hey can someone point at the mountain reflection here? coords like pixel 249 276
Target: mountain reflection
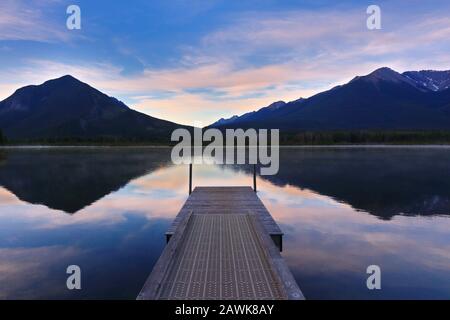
pixel 328 245
pixel 70 179
pixel 382 181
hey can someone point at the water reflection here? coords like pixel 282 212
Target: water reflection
pixel 70 179
pixel 380 180
pixel 132 196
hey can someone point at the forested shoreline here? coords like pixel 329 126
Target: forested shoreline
pixel 286 138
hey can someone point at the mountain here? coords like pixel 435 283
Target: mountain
pixel 68 108
pixel 432 80
pixel 381 100
pixel 263 112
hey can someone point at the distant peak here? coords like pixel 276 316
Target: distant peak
pixel 66 81
pixel 384 69
pixel 66 77
pixel 298 100
pixel 384 72
pixel 276 105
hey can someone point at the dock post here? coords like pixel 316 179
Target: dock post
pixel 254 177
pixel 190 178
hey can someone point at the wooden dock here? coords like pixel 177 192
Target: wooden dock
pixel 223 244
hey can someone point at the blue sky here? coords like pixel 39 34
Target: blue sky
pixel 196 61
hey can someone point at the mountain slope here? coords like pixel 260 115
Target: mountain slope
pixel 432 80
pixel 382 100
pixel 68 108
pixel 261 113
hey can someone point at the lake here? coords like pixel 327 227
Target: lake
pixel 341 209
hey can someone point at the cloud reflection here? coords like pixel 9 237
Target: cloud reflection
pixel 328 244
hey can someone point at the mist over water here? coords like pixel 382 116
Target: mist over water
pixel 341 209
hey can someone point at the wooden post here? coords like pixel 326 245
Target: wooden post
pixel 190 178
pixel 254 177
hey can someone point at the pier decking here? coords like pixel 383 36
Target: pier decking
pixel 224 244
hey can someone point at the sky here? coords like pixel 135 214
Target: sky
pixel 195 61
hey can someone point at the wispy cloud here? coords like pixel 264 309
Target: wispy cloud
pixel 257 58
pixel 295 54
pixel 27 20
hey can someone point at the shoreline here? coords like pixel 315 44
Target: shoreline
pixel 340 146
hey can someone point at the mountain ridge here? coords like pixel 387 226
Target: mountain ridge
pixel 383 99
pixel 65 108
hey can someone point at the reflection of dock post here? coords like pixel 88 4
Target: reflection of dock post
pixel 254 177
pixel 190 178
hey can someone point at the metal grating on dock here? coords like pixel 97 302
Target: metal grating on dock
pixel 221 258
pixel 220 255
pixel 228 200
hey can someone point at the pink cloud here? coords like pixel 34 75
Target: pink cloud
pixel 314 51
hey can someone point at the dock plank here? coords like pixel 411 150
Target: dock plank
pixel 223 200
pixel 221 249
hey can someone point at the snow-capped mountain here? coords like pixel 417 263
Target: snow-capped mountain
pixel 381 100
pixel 430 79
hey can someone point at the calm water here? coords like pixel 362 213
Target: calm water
pixel 341 209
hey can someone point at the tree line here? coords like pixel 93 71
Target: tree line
pixel 74 141
pixel 365 137
pixel 286 138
